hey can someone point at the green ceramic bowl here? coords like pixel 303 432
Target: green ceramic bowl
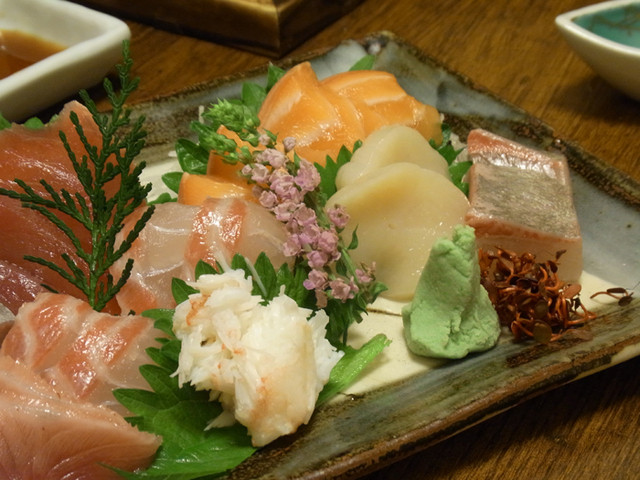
pixel 607 37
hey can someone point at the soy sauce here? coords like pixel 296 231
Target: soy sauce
pixel 19 49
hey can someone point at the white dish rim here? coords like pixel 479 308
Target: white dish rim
pixel 107 42
pixel 565 21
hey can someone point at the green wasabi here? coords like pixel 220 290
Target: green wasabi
pixel 451 314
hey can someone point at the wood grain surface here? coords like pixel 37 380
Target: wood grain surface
pixel 590 428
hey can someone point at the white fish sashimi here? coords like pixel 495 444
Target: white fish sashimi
pixel 178 236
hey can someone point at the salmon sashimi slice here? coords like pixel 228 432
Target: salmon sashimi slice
pixel 382 101
pixel 178 236
pixel 521 200
pixel 319 119
pixel 48 434
pixel 31 155
pixel 81 352
pixel 325 115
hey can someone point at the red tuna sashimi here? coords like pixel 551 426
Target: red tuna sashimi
pixel 178 236
pixel 521 200
pixel 46 434
pixel 17 285
pixel 31 155
pixel 81 352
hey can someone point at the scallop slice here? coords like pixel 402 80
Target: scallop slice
pixel 400 210
pixel 391 144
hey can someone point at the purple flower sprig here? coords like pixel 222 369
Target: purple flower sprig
pixel 288 186
pixel 323 275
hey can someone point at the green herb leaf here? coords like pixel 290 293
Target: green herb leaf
pixel 351 365
pixel 172 180
pixel 365 63
pixel 329 171
pixel 4 123
pixel 274 74
pixel 457 170
pixel 192 157
pixel 180 415
pixel 181 290
pixel 103 217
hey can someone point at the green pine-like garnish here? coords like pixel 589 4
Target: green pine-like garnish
pixel 100 215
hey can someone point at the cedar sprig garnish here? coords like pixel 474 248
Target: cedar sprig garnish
pixel 100 215
pixel 529 296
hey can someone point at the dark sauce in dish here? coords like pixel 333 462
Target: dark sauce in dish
pixel 19 49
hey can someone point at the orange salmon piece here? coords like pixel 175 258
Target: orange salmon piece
pixel 195 189
pixel 320 120
pixel 384 102
pixel 45 433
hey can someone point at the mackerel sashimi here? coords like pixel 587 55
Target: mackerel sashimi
pixel 46 434
pixel 32 154
pixel 83 353
pixel 521 200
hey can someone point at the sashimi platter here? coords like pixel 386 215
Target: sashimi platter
pixel 306 271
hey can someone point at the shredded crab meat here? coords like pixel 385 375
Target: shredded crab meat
pixel 266 364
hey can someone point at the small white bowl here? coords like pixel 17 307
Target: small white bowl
pixel 94 46
pixel 603 41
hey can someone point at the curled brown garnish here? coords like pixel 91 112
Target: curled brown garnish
pixel 623 296
pixel 529 297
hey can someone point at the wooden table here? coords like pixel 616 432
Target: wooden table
pixel 588 429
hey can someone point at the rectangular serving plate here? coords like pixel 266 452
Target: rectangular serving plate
pixel 378 426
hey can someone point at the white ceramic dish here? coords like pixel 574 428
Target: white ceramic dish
pixel 607 37
pixel 94 45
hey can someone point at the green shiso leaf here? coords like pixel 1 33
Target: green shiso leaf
pixel 181 414
pixel 329 171
pixel 457 170
pixel 4 123
pixel 192 157
pixel 365 63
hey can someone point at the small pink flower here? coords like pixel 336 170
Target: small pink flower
pixel 304 216
pixel 328 242
pixel 289 144
pixel 272 157
pixel 363 276
pixel 317 259
pixel 292 246
pixel 317 280
pixel 283 211
pixel 340 289
pixel 338 216
pixel 264 139
pixel 307 177
pixel 260 174
pixel 309 235
pixel 268 199
pixel 283 185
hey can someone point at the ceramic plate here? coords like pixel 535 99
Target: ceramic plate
pixel 93 44
pixel 421 402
